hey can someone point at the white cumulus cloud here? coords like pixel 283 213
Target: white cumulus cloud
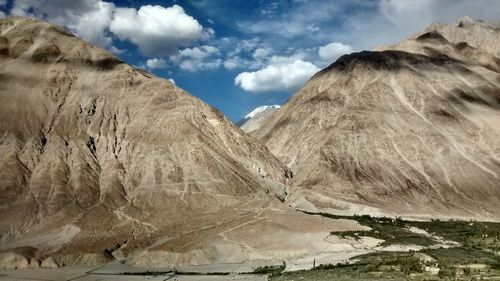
pixel 233 63
pixel 156 63
pixel 333 51
pixel 282 73
pixel 198 58
pixel 88 19
pixel 156 30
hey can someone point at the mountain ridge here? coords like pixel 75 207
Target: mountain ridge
pixel 410 129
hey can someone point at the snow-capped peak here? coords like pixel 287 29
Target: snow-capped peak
pixel 261 109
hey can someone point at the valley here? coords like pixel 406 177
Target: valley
pixel 384 165
pixel 404 250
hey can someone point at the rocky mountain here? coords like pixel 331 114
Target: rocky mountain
pixel 411 129
pixel 256 117
pixel 101 161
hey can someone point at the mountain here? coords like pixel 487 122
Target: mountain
pixel 254 119
pixel 411 129
pixel 100 161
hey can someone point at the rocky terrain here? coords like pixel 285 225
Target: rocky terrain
pixel 102 161
pixel 409 130
pixel 254 119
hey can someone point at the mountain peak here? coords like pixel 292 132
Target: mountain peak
pixel 254 119
pixel 389 60
pixel 44 42
pixel 261 109
pixel 466 20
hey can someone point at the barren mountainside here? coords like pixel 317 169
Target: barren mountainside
pixel 411 129
pixel 99 160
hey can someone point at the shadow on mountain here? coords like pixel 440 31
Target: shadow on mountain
pixel 484 96
pixel 390 61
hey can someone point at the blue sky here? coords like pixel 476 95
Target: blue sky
pixel 236 54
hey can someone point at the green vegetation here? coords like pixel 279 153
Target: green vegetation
pixel 405 266
pixel 270 270
pixel 471 234
pixel 339 273
pixel 464 256
pixel 406 263
pixel 476 257
pixel 392 231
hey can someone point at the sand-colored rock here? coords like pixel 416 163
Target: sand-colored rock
pixel 49 262
pixel 34 263
pixel 82 259
pixel 12 260
pixel 410 130
pixel 260 234
pixel 98 157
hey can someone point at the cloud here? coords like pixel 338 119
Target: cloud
pixel 156 63
pixel 272 8
pixel 156 30
pixel 360 24
pixel 392 21
pixel 198 58
pixel 92 25
pixel 233 63
pixel 293 20
pixel 239 62
pixel 261 53
pixel 333 50
pixel 117 51
pixel 2 3
pixel 287 29
pixel 245 45
pixel 88 19
pixel 282 73
pixel 259 57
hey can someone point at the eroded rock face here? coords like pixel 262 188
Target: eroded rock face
pixel 411 129
pixel 11 260
pixel 95 154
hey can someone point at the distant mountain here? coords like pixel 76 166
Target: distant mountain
pixel 411 129
pixel 254 119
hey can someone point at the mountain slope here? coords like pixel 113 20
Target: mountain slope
pixel 100 161
pixel 410 130
pixel 98 158
pixel 254 119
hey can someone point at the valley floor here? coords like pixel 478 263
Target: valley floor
pixel 119 272
pixel 423 250
pixel 405 250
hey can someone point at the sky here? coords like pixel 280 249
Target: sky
pixel 237 55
